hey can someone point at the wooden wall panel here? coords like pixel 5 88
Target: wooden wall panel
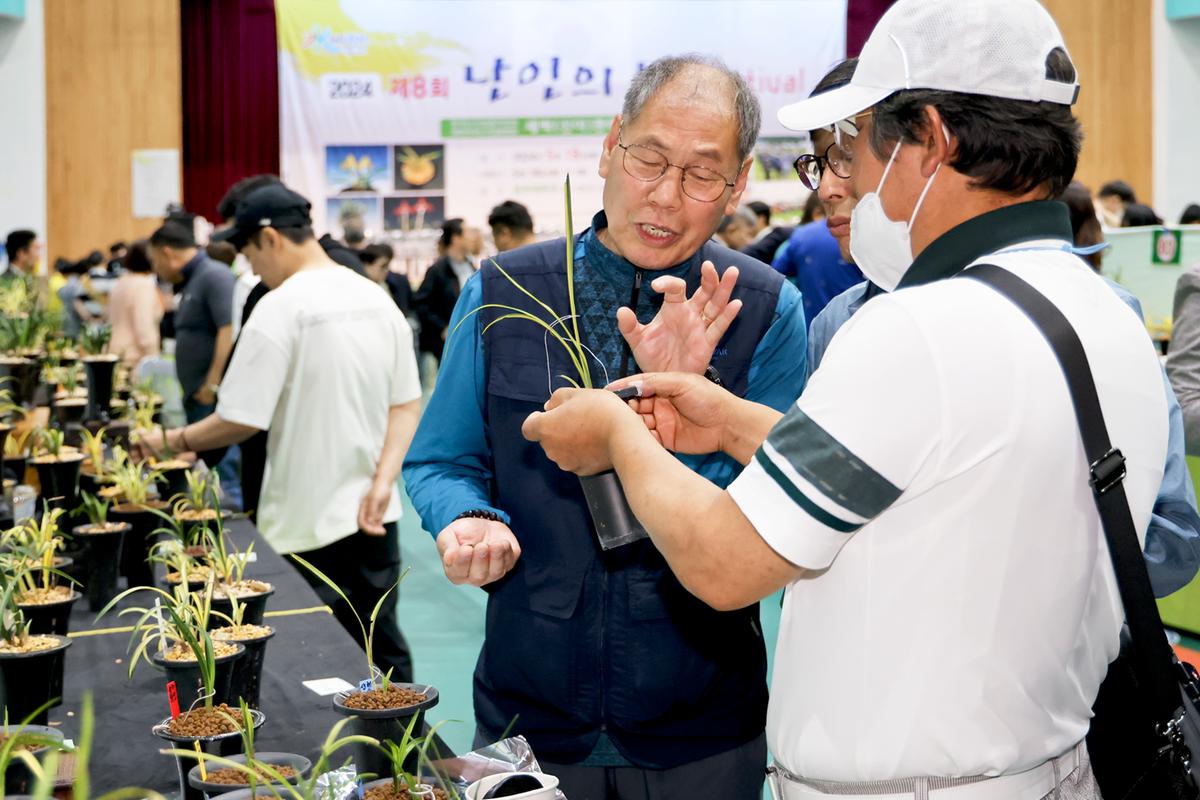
pixel 1110 43
pixel 113 78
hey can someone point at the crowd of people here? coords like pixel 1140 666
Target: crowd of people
pixel 823 408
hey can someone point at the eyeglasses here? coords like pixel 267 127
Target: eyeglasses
pixel 647 164
pixel 810 167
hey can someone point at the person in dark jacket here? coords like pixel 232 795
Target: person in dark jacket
pixel 768 238
pixel 625 684
pixel 441 286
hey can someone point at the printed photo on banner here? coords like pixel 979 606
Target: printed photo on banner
pixel 357 168
pixel 420 167
pixel 413 213
pixel 361 213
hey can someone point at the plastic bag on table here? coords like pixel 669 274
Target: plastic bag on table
pixel 508 755
pixel 340 784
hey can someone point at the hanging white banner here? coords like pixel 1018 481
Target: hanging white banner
pixel 405 113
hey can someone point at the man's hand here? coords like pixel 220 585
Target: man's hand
pixel 372 508
pixel 577 427
pixel 684 333
pixel 148 443
pixel 477 551
pixel 205 396
pixel 686 413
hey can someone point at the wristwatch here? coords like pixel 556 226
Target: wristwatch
pixel 711 373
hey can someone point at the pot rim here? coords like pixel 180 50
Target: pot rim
pixel 75 595
pixel 122 527
pixel 63 644
pixel 158 660
pixel 161 731
pixel 300 763
pixel 431 699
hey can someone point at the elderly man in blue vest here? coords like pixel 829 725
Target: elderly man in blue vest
pixel 626 685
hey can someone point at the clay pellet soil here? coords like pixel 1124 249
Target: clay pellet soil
pixel 234 777
pixel 381 699
pixel 206 721
pixel 241 633
pixel 389 792
pixel 182 652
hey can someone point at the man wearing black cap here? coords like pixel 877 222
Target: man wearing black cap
pixel 333 455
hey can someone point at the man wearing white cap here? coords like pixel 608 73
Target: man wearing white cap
pixel 950 606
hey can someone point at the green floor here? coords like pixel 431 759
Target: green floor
pixel 444 626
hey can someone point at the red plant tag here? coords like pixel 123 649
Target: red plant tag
pixel 173 698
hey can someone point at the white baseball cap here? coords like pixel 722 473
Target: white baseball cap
pixel 996 48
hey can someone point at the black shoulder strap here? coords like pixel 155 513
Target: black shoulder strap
pixel 1152 657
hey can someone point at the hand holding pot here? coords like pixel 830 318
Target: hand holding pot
pixel 684 333
pixel 578 427
pixel 477 551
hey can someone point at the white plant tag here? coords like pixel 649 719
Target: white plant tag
pixel 328 686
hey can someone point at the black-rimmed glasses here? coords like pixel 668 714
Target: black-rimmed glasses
pixel 810 166
pixel 647 164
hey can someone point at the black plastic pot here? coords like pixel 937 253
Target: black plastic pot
pixel 100 385
pixel 176 482
pixel 51 618
pixel 383 724
pixel 18 778
pixel 226 744
pixel 296 762
pixel 60 481
pixel 247 670
pixel 101 562
pixel 612 517
pixel 14 468
pixel 28 680
pixel 186 675
pixel 24 374
pixel 69 411
pixel 141 537
pixel 89 483
pixel 381 782
pixel 255 606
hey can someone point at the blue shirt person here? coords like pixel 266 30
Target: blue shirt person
pixel 812 259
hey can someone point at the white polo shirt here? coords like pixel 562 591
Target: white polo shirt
pixel 319 363
pixel 961 608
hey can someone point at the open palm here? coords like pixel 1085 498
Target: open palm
pixel 685 331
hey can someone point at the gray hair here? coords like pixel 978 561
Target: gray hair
pixel 655 76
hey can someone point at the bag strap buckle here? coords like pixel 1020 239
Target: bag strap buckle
pixel 1107 471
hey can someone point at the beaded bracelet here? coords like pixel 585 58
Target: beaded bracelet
pixel 479 513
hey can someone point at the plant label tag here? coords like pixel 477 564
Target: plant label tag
pixel 251 557
pixel 366 685
pixel 173 699
pixel 328 686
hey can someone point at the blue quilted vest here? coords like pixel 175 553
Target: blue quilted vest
pixel 582 641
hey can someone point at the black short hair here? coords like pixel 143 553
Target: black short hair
pixel 138 258
pixel 761 210
pixel 17 241
pixel 839 75
pixel 374 252
pixel 511 215
pixel 1139 214
pixel 227 208
pixel 173 234
pixel 224 252
pixel 1119 189
pixel 1009 146
pixel 116 247
pixel 1085 225
pixel 450 229
pixel 1190 215
pixel 296 234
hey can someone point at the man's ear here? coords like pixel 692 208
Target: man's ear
pixel 739 186
pixel 610 144
pixel 937 141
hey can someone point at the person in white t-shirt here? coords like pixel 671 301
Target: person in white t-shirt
pixel 927 496
pixel 325 364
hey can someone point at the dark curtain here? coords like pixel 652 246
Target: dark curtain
pixel 230 97
pixel 861 16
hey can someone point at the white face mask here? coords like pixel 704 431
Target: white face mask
pixel 880 245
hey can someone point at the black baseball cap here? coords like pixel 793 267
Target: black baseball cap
pixel 273 206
